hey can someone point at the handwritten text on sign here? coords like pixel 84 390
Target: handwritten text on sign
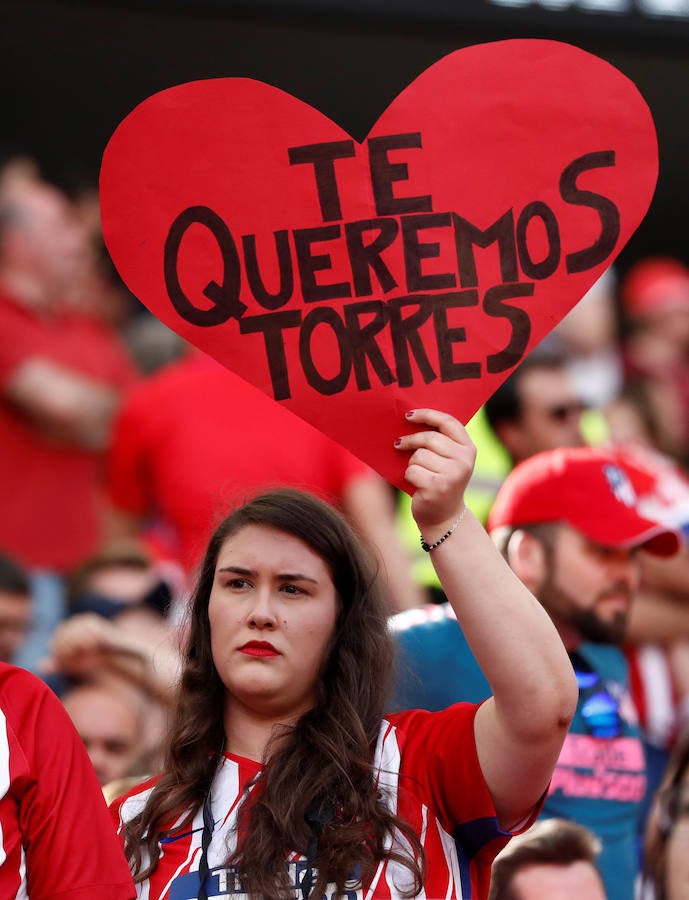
pixel 302 256
pixel 352 281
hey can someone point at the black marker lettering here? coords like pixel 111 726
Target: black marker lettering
pixel 415 251
pixel 253 272
pixel 365 258
pixel 609 214
pixel 225 296
pixel 336 384
pixel 323 157
pixel 405 337
pixel 363 343
pixel 446 336
pixel 546 267
pixel 384 174
pixel 467 236
pixel 494 305
pixel 271 325
pixel 309 264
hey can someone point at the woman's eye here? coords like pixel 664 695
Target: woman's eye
pixel 291 589
pixel 237 583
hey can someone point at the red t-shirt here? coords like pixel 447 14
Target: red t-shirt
pixel 428 772
pixel 195 440
pixel 52 494
pixel 57 839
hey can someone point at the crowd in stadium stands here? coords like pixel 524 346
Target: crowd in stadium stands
pixel 123 448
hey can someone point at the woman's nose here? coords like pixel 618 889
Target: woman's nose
pixel 262 614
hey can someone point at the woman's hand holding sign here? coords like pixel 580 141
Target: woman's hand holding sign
pixel 440 465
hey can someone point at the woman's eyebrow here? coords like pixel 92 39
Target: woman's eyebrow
pixel 296 576
pixel 281 576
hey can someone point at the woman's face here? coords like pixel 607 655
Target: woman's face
pixel 677 847
pixel 272 611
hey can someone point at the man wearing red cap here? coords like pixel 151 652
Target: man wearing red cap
pixel 568 524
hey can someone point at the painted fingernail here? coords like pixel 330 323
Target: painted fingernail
pixel 409 414
pixel 398 442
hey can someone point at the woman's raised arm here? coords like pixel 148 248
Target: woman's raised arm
pixel 521 729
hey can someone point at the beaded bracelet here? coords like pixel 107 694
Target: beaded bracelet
pixel 453 527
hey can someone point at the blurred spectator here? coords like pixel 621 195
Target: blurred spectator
pixel 633 417
pixel 554 860
pixel 122 636
pixel 88 647
pixel 16 169
pixel 536 408
pixel 666 859
pixel 151 343
pixel 56 837
pixel 589 342
pixel 110 722
pixel 195 439
pixel 657 639
pixel 122 623
pixel 125 581
pixel 16 608
pixel 655 297
pixel 61 375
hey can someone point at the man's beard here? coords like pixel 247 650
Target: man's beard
pixel 563 607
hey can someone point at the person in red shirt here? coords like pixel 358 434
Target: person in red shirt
pixel 62 372
pixel 56 837
pixel 283 773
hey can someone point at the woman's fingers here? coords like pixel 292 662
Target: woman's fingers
pixel 448 440
pixel 442 422
pixel 429 440
pixel 440 464
pixel 428 459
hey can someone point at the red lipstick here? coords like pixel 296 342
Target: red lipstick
pixel 259 648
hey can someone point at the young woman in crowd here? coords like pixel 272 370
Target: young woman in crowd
pixel 283 775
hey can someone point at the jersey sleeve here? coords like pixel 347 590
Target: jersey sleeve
pixel 439 749
pixel 71 846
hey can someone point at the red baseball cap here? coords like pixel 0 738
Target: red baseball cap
pixel 590 489
pixel 656 284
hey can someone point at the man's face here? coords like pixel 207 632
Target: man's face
pixel 109 728
pixel 587 588
pixel 558 882
pixel 15 621
pixel 48 239
pixel 550 417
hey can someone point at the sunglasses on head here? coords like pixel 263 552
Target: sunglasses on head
pixel 600 710
pixel 563 411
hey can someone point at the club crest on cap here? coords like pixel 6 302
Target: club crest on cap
pixel 620 485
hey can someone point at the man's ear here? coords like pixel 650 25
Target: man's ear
pixel 526 556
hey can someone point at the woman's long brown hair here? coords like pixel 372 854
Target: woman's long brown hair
pixel 324 762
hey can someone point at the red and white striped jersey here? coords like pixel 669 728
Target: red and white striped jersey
pixel 428 772
pixel 56 837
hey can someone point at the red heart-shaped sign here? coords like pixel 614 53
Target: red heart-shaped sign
pixel 353 282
